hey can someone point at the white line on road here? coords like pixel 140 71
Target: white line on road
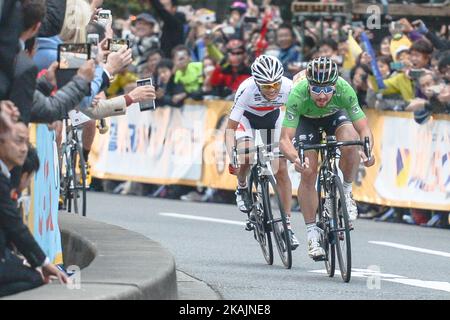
pixel 190 217
pixel 371 275
pixel 410 248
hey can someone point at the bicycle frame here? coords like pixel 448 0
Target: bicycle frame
pixel 265 221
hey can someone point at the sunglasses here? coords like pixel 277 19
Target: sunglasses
pixel 276 86
pixel 237 53
pixel 319 89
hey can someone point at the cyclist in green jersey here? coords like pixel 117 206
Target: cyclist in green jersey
pixel 323 100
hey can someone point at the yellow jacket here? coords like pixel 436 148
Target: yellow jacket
pixel 119 83
pixel 397 84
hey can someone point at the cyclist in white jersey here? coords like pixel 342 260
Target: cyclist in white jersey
pixel 257 105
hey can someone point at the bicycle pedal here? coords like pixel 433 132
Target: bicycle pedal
pixel 318 259
pixel 249 226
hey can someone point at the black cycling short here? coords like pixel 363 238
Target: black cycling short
pixel 308 129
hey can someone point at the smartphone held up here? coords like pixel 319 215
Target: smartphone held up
pixel 146 105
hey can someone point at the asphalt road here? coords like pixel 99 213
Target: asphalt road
pixel 390 261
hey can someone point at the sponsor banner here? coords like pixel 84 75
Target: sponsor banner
pixel 415 169
pixel 187 146
pixel 41 214
pixel 216 159
pixel 164 146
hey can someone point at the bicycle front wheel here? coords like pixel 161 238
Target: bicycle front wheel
pixel 277 218
pixel 342 233
pixel 326 224
pixel 259 212
pixel 79 181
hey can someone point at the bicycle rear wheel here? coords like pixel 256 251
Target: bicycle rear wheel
pixel 79 181
pixel 277 218
pixel 64 173
pixel 262 232
pixel 342 233
pixel 327 237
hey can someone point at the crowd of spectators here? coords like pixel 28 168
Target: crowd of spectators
pixel 30 32
pixel 190 55
pixel 213 58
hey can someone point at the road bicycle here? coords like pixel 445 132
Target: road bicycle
pixel 335 226
pixel 267 215
pixel 73 171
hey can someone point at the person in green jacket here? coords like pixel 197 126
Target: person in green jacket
pixel 188 74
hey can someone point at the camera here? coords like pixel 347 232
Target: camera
pixel 115 45
pixel 104 17
pixel 250 19
pixel 93 40
pixel 415 74
pixel 396 29
pixel 146 105
pixel 207 18
pixel 71 56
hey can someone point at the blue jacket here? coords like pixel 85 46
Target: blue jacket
pixel 47 52
pixel 290 55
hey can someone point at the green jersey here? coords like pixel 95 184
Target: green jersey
pixel 300 104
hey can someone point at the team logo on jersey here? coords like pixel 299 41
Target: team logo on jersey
pixel 290 116
pixel 355 109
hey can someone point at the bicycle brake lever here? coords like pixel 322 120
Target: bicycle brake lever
pixel 367 147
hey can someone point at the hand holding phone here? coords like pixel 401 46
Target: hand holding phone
pixel 147 103
pixel 115 45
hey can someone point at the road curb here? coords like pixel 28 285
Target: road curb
pixel 117 264
pixel 191 288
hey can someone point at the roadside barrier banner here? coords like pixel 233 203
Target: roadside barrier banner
pixel 41 215
pixel 186 146
pixel 163 146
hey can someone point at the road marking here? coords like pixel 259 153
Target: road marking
pixel 367 273
pixel 190 217
pixel 410 248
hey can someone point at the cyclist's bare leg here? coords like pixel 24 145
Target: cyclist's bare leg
pixel 307 194
pixel 245 160
pixel 284 185
pixel 88 135
pixel 350 159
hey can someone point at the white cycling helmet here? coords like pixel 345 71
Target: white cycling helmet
pixel 267 69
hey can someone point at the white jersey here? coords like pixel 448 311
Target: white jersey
pixel 249 98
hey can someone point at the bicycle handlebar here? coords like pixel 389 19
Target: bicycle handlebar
pixel 333 144
pixel 236 151
pixel 256 148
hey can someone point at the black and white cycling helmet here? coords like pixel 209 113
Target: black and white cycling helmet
pixel 322 71
pixel 267 69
